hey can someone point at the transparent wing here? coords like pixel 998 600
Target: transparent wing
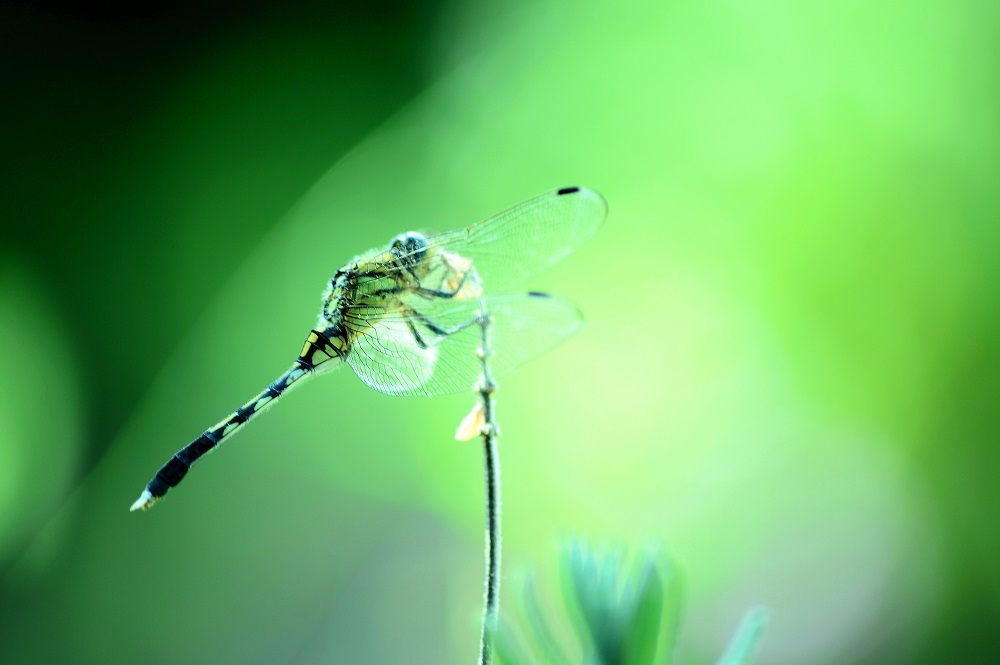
pixel 430 347
pixel 514 244
pixel 388 358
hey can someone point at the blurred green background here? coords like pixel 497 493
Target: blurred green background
pixel 789 376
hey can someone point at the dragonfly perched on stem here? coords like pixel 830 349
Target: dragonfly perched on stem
pixel 405 317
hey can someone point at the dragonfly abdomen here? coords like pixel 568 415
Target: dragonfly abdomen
pixel 171 474
pixel 323 344
pixel 326 343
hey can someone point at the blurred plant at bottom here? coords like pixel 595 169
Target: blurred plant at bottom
pixel 624 613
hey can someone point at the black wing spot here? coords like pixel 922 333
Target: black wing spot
pixel 538 294
pixel 568 190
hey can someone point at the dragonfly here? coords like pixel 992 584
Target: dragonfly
pixel 404 317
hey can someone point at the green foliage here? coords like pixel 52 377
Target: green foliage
pixel 741 647
pixel 790 343
pixel 623 612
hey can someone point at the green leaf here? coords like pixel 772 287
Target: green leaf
pixel 507 648
pixel 671 612
pixel 743 643
pixel 539 627
pixel 644 601
pixel 626 615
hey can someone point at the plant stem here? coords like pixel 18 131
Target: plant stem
pixel 489 433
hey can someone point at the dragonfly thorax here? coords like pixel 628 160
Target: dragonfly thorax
pixel 336 294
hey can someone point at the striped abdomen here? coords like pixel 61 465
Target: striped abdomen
pixel 322 346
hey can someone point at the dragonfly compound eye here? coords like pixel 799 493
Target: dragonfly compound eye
pixel 410 247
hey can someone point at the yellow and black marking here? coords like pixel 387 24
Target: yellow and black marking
pixel 324 345
pixel 321 346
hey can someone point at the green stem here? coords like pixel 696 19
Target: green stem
pixel 491 456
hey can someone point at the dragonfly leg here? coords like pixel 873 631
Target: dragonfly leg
pixel 416 335
pixel 440 293
pixel 387 292
pixel 412 314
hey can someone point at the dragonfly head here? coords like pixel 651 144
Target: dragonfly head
pixel 409 248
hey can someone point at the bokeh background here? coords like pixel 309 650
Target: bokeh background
pixel 789 376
